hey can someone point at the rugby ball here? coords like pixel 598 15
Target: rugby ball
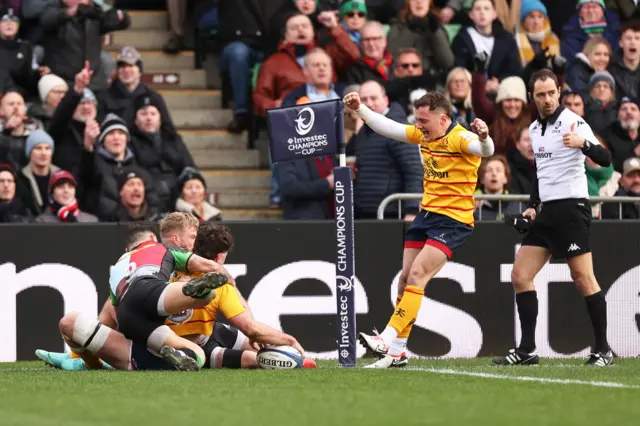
pixel 279 358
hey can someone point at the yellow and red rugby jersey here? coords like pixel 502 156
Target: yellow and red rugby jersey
pixel 450 172
pixel 201 321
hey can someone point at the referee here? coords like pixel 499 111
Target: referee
pixel 560 139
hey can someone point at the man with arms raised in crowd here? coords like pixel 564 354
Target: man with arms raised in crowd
pixel 451 156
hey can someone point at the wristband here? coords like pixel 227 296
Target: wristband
pixel 586 147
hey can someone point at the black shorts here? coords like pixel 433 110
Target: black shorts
pixel 143 360
pixel 562 227
pixel 437 230
pixel 223 336
pixel 137 312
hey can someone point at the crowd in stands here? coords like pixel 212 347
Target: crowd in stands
pixel 83 138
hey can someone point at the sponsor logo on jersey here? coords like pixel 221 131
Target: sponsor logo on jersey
pixel 542 154
pixel 430 169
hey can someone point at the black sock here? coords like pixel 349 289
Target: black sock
pixel 597 307
pixel 528 311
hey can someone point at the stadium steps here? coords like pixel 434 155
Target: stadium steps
pixel 236 182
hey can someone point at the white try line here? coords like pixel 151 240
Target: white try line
pixel 524 378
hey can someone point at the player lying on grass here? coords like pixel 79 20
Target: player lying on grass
pixel 223 346
pixel 451 156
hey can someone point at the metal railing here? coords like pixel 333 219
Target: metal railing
pixel 399 197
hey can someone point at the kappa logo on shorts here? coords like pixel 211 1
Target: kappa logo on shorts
pixel 573 247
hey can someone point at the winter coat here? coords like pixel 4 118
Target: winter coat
pixel 626 9
pixel 118 100
pixel 399 89
pixel 305 196
pixel 629 210
pixel 147 214
pixel 16 56
pixel 211 213
pixel 37 111
pixel 30 192
pixel 504 60
pixel 573 37
pixel 14 212
pixel 164 162
pixel 384 167
pixel 599 117
pixel 579 73
pixel 49 217
pixel 70 41
pixel 522 173
pixel 281 73
pixel 299 92
pixel 495 210
pixel 619 144
pixel 627 81
pixel 12 147
pixel 428 37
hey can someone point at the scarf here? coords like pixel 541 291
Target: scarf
pixel 382 66
pixel 546 37
pixel 596 27
pixel 68 213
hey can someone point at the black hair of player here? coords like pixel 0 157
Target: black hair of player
pixel 136 229
pixel 212 239
pixel 543 75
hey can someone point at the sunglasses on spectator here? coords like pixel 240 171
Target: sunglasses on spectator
pixel 409 65
pixel 358 14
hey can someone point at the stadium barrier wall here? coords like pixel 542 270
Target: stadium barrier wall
pixel 286 270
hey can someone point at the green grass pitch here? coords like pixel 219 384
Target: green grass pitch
pixel 428 392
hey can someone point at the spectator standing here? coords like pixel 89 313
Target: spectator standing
pixel 521 164
pixel 11 208
pixel 16 55
pixel 283 71
pixel 494 180
pixel 376 62
pixel 534 33
pixel 622 136
pixel 63 206
pixel 409 80
pixel 629 187
pixel 416 27
pixel 133 206
pixel 120 98
pixel 385 166
pixel 34 177
pixel 626 9
pixel 594 57
pixel 51 89
pixel 600 106
pixel 458 86
pixel 72 35
pixel 177 17
pixel 487 37
pixel 353 14
pixel 160 151
pixel 625 65
pixel 192 198
pixel 507 116
pixel 319 77
pixel 591 19
pixel 15 127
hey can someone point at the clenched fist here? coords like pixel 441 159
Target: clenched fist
pixel 352 101
pixel 480 128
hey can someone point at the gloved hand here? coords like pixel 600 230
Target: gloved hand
pixel 480 62
pixel 522 224
pixel 558 64
pixel 540 60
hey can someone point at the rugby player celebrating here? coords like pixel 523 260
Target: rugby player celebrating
pixel 451 156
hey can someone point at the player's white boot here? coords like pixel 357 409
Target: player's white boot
pixel 374 343
pixel 390 361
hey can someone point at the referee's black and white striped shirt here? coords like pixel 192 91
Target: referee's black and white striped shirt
pixel 560 170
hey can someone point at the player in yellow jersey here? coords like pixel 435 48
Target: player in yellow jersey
pixel 451 157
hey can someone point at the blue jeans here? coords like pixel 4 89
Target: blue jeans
pixel 236 60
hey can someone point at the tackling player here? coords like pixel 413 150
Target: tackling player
pixel 451 156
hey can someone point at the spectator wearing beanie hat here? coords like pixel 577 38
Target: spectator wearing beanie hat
pixel 133 205
pixel 534 34
pixel 601 106
pixel 592 18
pixel 353 14
pixel 192 197
pixel 121 96
pixel 51 89
pixel 417 27
pixel 34 177
pixel 160 151
pixel 75 118
pixel 63 206
pixel 11 207
pixel 623 136
pixel 510 113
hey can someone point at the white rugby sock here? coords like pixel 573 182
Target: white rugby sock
pixel 398 346
pixel 388 335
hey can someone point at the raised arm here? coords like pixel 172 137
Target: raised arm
pixel 378 122
pixel 480 143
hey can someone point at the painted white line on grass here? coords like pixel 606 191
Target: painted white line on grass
pixel 524 378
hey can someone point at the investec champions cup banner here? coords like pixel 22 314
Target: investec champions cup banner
pixel 310 130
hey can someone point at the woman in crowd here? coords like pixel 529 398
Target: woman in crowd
pixel 192 197
pixel 601 106
pixel 534 33
pixel 458 85
pixel 594 57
